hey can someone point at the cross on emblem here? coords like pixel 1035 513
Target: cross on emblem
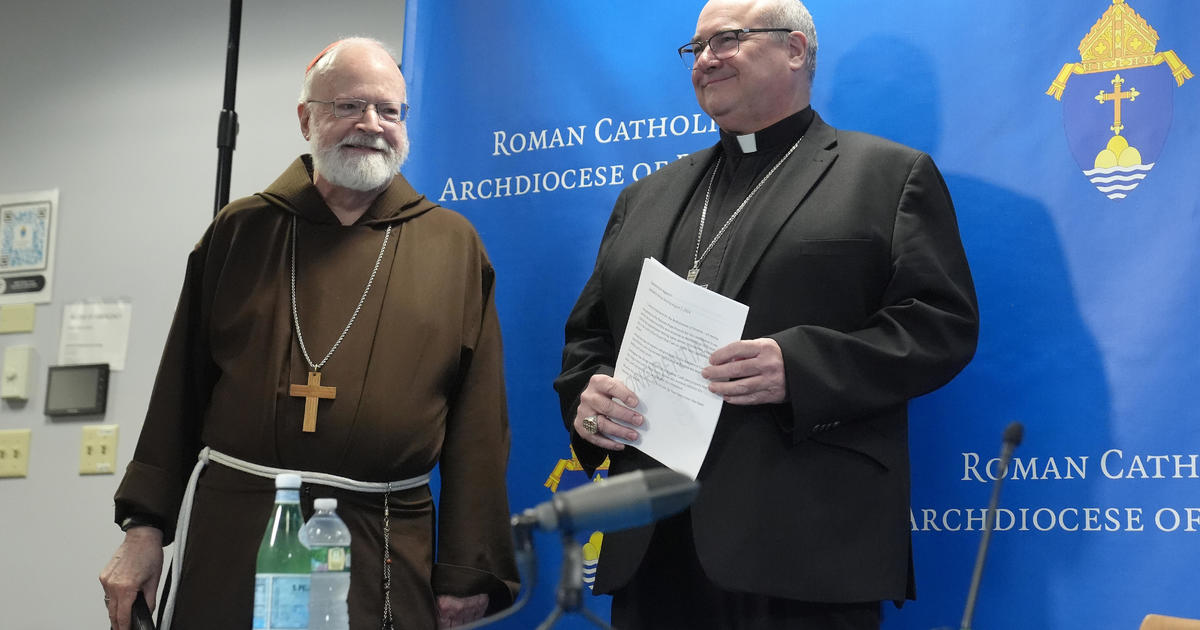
pixel 1116 96
pixel 311 392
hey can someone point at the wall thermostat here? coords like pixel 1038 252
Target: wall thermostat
pixel 77 390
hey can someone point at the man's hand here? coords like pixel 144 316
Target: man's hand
pixel 456 611
pixel 748 372
pixel 598 403
pixel 135 566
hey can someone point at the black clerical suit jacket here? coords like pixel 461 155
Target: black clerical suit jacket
pixel 851 260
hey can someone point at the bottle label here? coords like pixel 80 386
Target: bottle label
pixel 261 602
pixel 337 559
pixel 323 559
pixel 280 601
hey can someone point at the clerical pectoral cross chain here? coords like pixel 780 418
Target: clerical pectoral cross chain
pixel 698 257
pixel 313 391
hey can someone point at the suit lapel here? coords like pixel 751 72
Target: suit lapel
pixel 776 202
pixel 660 211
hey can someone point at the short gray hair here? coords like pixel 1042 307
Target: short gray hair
pixel 792 14
pixel 320 65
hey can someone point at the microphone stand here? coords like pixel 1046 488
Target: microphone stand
pixel 570 588
pixel 569 598
pixel 637 498
pixel 227 126
pixel 1012 438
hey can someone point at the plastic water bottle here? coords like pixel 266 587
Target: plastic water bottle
pixel 328 540
pixel 281 575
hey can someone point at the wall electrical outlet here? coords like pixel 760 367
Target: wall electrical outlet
pixel 14 452
pixel 98 450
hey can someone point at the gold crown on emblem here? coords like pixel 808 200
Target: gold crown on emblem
pixel 1119 40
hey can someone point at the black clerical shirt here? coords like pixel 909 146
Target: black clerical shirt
pixel 738 173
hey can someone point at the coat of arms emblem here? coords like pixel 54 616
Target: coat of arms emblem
pixel 1118 106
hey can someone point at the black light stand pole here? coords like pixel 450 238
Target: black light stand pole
pixel 227 127
pixel 226 137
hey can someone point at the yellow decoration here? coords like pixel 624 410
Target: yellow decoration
pixel 569 464
pixel 1119 40
pixel 591 549
pixel 1106 159
pixel 1115 97
pixel 1130 157
pixel 1118 153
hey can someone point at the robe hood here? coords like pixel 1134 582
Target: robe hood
pixel 294 192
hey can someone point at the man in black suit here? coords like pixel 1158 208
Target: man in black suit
pixel 845 247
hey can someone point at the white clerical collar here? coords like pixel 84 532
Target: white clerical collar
pixel 747 143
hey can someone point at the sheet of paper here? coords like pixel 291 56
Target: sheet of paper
pixel 674 326
pixel 95 332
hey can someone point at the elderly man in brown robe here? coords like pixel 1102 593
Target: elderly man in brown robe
pixel 341 325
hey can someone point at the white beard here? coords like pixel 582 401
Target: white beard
pixel 368 172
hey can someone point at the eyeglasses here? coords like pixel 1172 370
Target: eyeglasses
pixel 723 45
pixel 355 108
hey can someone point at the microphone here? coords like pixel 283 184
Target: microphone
pixel 621 502
pixel 1012 439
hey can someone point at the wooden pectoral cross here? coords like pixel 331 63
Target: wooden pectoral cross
pixel 311 392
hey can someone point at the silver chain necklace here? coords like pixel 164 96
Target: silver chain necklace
pixel 698 257
pixel 316 367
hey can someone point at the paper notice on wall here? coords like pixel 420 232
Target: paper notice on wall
pixel 95 331
pixel 674 326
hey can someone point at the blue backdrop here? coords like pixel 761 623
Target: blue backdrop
pixel 530 116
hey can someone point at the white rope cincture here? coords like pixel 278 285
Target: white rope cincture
pixel 269 472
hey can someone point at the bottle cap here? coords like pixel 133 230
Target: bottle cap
pixel 325 504
pixel 290 481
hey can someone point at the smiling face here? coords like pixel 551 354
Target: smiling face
pixel 763 83
pixel 361 154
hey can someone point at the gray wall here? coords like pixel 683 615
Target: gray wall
pixel 115 104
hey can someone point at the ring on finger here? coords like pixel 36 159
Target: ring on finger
pixel 590 425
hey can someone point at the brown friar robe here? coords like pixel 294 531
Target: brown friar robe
pixel 419 383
